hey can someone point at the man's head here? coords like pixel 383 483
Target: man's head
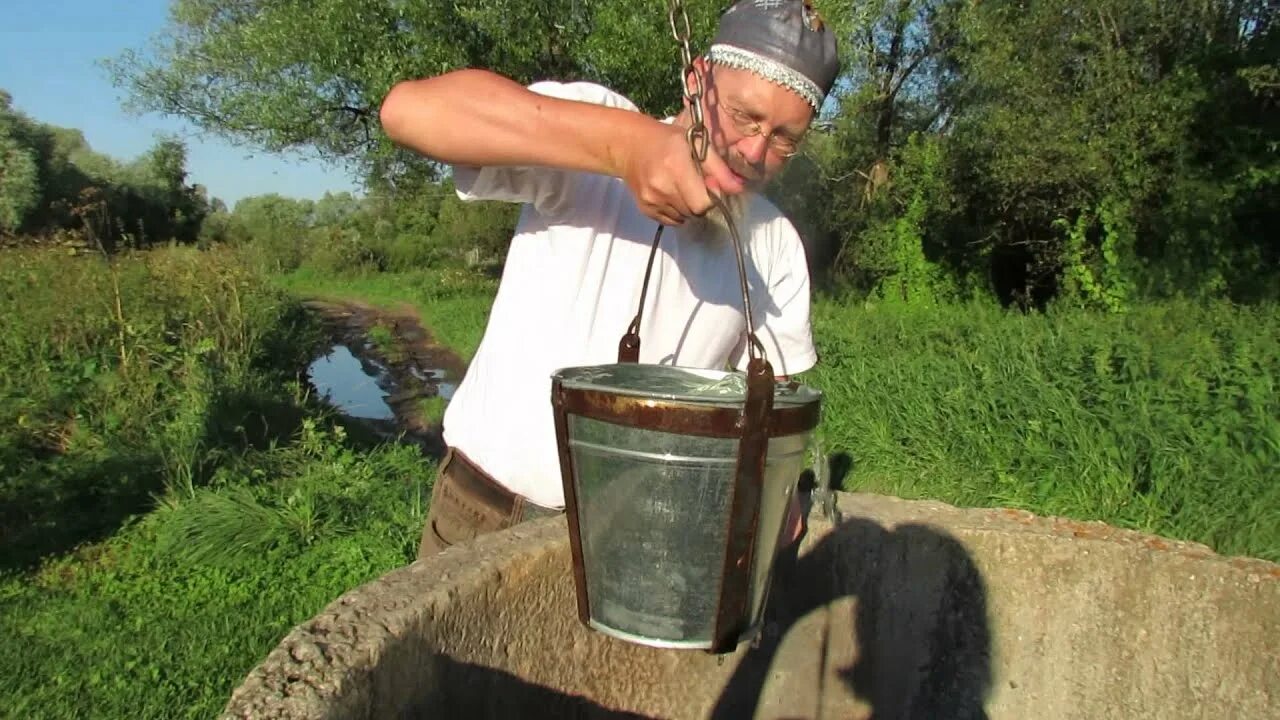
pixel 766 74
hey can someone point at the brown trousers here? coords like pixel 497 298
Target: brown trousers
pixel 467 503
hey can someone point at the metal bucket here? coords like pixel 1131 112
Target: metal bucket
pixel 673 527
pixel 677 483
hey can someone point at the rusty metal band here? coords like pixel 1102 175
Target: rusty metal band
pixel 571 501
pixel 683 418
pixel 732 612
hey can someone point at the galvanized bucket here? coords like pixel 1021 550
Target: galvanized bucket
pixel 677 484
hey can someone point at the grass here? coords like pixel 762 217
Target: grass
pixel 384 340
pixel 432 409
pixel 165 619
pixel 1164 420
pixel 171 500
pixel 122 380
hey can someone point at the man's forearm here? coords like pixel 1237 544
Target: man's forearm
pixel 475 117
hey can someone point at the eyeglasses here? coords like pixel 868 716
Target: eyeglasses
pixel 782 145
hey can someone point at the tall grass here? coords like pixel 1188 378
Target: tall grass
pixel 171 499
pixel 1165 419
pixel 165 618
pixel 126 378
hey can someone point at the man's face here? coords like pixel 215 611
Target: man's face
pixel 755 125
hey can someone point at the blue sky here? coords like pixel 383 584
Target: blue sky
pixel 49 53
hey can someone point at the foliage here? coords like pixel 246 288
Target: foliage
pixel 1080 128
pixel 164 620
pixel 19 171
pixel 890 251
pixel 1106 152
pixel 311 75
pixel 172 501
pixel 292 497
pixel 1165 419
pixel 483 228
pixel 130 377
pixel 52 181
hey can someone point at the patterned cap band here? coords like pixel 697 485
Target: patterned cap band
pixel 768 69
pixel 784 41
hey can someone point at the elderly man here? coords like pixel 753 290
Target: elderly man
pixel 596 177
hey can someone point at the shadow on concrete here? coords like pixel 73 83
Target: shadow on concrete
pixel 920 623
pixel 491 693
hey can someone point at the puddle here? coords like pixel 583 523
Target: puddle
pixel 388 389
pixel 342 380
pixel 433 376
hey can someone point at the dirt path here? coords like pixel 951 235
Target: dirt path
pixel 395 339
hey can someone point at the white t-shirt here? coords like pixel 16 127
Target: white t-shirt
pixel 571 286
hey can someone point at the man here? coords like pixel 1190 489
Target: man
pixel 596 177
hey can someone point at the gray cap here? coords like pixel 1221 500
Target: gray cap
pixel 784 41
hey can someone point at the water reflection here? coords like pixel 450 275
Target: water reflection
pixel 434 377
pixel 341 379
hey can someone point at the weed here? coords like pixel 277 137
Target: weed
pixel 432 409
pixel 171 510
pixel 1165 419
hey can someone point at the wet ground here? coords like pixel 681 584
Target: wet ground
pixel 382 366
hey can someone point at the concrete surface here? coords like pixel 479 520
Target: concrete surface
pixel 899 610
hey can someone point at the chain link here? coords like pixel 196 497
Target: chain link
pixel 699 139
pixel 680 29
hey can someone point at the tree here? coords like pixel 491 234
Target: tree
pixel 336 209
pixel 310 75
pixel 1084 128
pixel 894 86
pixel 480 227
pixel 20 190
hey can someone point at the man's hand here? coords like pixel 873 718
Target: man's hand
pixel 478 118
pixel 661 174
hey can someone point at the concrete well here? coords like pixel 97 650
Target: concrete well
pixel 898 610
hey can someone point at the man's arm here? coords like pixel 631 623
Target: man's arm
pixel 478 118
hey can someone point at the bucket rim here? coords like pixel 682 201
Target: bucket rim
pixel 790 394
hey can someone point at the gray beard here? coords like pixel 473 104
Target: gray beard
pixel 712 226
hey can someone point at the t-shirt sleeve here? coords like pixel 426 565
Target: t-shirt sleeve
pixel 782 317
pixel 548 190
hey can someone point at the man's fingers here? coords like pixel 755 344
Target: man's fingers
pixel 694 194
pixel 719 178
pixel 665 215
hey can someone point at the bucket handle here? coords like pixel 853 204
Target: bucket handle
pixel 629 346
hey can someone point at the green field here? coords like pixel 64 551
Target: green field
pixel 1165 419
pixel 1043 234
pixel 174 501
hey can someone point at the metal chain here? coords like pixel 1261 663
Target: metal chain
pixel 680 29
pixel 699 139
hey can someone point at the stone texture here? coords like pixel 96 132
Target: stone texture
pixel 897 610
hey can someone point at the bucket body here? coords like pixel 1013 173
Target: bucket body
pixel 650 458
